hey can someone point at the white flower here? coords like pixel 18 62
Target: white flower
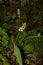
pixel 39 34
pixel 18 12
pixel 22 27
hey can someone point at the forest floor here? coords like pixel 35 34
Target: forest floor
pixel 21 24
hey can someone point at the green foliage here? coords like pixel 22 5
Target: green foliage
pixel 4 37
pixel 18 55
pixel 21 37
pixel 9 18
pixel 31 43
pixel 4 59
pixel 6 27
pixel 11 40
pixel 24 17
pixel 28 48
pixel 1 49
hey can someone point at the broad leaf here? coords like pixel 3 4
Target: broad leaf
pixel 18 55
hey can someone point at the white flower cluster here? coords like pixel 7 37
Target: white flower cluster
pixel 22 28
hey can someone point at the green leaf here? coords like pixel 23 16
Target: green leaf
pixel 4 59
pixel 33 32
pixel 18 55
pixel 4 37
pixel 28 48
pixel 30 42
pixel 21 37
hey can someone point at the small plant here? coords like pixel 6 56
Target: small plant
pixel 21 32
